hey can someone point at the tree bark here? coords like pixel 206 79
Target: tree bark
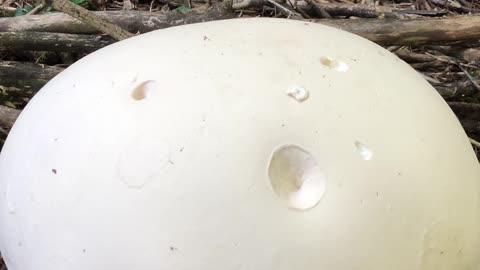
pixel 28 77
pixel 58 42
pixel 132 21
pixel 412 31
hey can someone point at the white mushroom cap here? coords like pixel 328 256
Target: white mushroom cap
pixel 242 144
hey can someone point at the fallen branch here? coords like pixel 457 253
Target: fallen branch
pixel 8 116
pixel 244 4
pixel 412 57
pixel 25 79
pixel 132 21
pixel 320 11
pixel 36 9
pixel 91 19
pixel 57 42
pixel 412 31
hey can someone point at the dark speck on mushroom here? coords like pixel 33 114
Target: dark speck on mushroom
pixel 54 171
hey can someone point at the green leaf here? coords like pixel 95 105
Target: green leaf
pixel 475 73
pixel 27 8
pixel 19 12
pixel 183 9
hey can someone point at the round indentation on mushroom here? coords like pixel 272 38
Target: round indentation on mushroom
pixel 144 89
pixel 364 151
pixel 334 64
pixel 296 177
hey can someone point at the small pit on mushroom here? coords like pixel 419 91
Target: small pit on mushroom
pixel 144 89
pixel 334 64
pixel 296 177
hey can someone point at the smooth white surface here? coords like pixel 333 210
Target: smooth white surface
pixel 153 154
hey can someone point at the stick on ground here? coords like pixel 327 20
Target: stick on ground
pixel 56 42
pixel 91 18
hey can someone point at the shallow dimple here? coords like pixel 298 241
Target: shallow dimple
pixel 364 151
pixel 144 89
pixel 300 94
pixel 296 177
pixel 334 64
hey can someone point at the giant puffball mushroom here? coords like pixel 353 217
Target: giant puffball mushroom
pixel 242 144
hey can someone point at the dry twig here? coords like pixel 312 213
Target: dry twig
pixel 469 77
pixel 91 18
pixel 285 11
pixel 474 143
pixel 36 9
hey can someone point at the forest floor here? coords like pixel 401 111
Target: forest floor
pixel 37 42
